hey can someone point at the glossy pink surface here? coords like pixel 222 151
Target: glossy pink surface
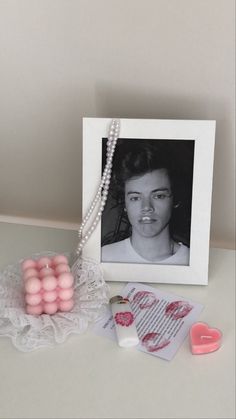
pixel 204 339
pixel 48 285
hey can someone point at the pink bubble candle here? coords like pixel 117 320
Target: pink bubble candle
pixel 48 285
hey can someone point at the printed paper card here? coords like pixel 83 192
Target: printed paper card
pixel 162 319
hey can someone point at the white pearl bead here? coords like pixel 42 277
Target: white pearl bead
pixel 103 188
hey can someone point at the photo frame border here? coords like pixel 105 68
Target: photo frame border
pixel 203 133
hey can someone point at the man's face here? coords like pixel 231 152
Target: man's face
pixel 149 201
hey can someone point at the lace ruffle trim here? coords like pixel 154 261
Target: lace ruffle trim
pixel 29 332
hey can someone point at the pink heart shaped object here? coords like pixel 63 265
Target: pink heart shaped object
pixel 204 339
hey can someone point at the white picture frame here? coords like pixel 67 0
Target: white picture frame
pixel 202 132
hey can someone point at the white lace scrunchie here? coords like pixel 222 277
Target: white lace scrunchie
pixel 29 332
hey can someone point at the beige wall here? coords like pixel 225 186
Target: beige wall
pixel 65 59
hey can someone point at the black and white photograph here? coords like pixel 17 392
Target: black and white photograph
pixel 153 217
pixel 147 217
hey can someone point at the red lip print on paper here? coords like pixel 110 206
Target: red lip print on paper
pixel 153 342
pixel 125 318
pixel 145 299
pixel 178 309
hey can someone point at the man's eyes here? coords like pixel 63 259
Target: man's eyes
pixel 160 196
pixel 154 196
pixel 135 198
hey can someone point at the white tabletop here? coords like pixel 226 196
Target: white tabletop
pixel 89 376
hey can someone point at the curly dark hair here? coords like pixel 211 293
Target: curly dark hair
pixel 138 158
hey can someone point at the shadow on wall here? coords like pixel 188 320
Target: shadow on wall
pixel 123 102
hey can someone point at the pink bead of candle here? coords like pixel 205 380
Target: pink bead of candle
pixel 49 296
pixel 56 260
pixel 28 263
pixel 46 271
pixel 28 273
pixel 66 305
pixel 33 285
pixel 35 310
pixel 48 285
pixel 33 299
pixel 50 308
pixel 65 280
pixel 65 294
pixel 44 262
pixel 62 268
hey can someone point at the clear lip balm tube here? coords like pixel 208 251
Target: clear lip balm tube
pixel 124 322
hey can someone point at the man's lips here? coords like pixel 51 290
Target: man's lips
pixel 147 220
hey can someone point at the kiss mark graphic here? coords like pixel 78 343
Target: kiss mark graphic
pixel 152 342
pixel 145 299
pixel 125 318
pixel 178 309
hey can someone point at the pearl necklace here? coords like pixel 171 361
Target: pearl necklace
pixel 103 188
